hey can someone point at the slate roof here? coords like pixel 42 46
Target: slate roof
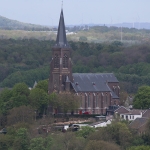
pixel 93 82
pixel 146 113
pixel 61 40
pixel 122 110
pixel 138 122
pixel 135 112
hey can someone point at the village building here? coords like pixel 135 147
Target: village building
pixel 97 91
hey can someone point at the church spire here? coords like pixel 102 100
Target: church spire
pixel 61 34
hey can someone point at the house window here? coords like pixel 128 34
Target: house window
pixel 132 117
pixel 65 61
pixel 56 61
pixel 89 100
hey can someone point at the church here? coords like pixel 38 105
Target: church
pixel 97 91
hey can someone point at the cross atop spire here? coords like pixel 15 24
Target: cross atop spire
pixel 61 34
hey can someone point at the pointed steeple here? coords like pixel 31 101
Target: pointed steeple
pixel 61 34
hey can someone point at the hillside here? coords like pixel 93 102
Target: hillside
pixel 28 60
pixel 9 24
pixel 97 34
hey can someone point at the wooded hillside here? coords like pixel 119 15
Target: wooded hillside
pixel 28 60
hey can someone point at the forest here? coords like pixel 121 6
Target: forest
pixel 26 124
pixel 29 61
pixel 24 113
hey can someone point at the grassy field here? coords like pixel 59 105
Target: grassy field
pixel 94 34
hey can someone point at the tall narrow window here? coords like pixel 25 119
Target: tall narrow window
pixel 81 100
pixel 64 78
pixel 89 100
pixel 56 61
pixel 106 99
pixel 65 61
pixel 96 100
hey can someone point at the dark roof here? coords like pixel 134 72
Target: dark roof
pixel 135 112
pixel 93 82
pixel 146 113
pixel 138 122
pixel 61 40
pixel 122 110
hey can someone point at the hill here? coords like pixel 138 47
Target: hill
pixel 28 60
pixel 9 24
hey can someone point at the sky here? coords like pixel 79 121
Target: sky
pixel 47 12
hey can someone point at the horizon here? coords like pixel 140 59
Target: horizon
pixel 48 12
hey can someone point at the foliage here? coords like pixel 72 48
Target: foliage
pixel 6 141
pixel 68 141
pixel 43 85
pixel 37 144
pixel 5 103
pixel 21 141
pixel 101 145
pixel 9 24
pixel 20 93
pixel 85 131
pixel 23 61
pixel 20 114
pixel 139 148
pixel 67 102
pixel 117 132
pixel 38 99
pixel 142 98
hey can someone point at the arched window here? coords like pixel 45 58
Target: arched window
pixel 65 61
pixel 89 100
pixel 56 61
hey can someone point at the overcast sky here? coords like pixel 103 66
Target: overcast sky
pixel 46 12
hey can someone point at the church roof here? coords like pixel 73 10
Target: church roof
pixel 61 40
pixel 93 82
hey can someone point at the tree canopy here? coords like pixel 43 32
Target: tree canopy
pixel 142 98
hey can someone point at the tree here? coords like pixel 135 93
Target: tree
pixel 20 93
pixel 83 39
pixel 5 103
pixel 117 132
pixel 20 114
pixel 68 102
pixel 101 145
pixel 21 141
pixel 68 141
pixel 143 147
pixel 43 85
pixel 85 131
pixel 6 141
pixel 37 144
pixel 142 98
pixel 38 99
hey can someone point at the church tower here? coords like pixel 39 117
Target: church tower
pixel 60 66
